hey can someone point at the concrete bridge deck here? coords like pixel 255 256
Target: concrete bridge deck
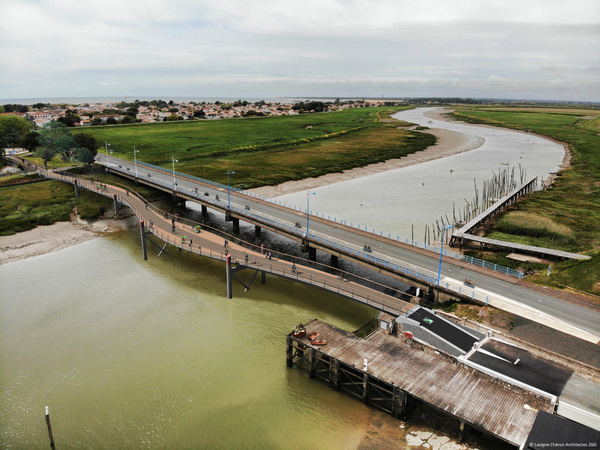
pixel 416 267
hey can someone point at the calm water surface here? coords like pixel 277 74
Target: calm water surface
pixel 417 195
pixel 133 354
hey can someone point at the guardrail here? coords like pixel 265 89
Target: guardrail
pixel 315 281
pixel 433 248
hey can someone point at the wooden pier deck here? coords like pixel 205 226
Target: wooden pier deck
pixel 463 234
pixel 399 374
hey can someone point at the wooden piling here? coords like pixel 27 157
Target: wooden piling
pixel 49 429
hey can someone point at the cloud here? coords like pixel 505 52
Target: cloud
pixel 154 47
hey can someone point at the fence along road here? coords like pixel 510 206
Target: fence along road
pixel 387 255
pixel 212 246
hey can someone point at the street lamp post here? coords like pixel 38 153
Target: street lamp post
pixel 135 160
pixel 174 161
pixel 308 193
pixel 442 253
pixel 228 192
pixel 106 145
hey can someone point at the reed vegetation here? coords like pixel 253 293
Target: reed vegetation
pixel 572 204
pixel 521 223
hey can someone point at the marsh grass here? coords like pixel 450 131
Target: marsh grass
pixel 25 207
pixel 521 223
pixel 573 200
pixel 270 150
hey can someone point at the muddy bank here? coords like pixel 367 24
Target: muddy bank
pixel 448 143
pixel 51 238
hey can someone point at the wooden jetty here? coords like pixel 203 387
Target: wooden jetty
pixel 462 235
pixel 394 373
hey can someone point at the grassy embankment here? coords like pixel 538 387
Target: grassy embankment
pixel 271 150
pixel 26 206
pixel 261 151
pixel 565 217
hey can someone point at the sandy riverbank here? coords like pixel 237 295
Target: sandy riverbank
pixel 448 143
pixel 51 238
pixel 441 114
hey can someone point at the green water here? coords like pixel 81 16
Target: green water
pixel 134 354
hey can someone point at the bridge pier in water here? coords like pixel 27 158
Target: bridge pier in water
pixel 115 204
pixel 76 188
pixel 143 235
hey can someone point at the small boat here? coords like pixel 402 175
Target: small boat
pixel 299 331
pixel 313 335
pixel 320 342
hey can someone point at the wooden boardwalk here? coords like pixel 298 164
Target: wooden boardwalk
pixel 399 374
pixel 529 249
pixel 462 235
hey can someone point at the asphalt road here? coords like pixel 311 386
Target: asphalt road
pixel 575 315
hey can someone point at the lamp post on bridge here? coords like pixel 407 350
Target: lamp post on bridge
pixel 442 253
pixel 106 145
pixel 174 161
pixel 308 193
pixel 135 160
pixel 228 192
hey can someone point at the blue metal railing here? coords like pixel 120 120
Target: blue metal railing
pixel 381 233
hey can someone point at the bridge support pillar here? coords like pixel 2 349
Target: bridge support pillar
pixel 228 217
pixel 263 277
pixel 229 276
pixel 115 205
pixel 365 397
pixel 175 198
pixel 143 234
pixel 257 229
pixel 76 188
pixel 334 260
pixel 312 252
pixel 236 224
pixel 204 210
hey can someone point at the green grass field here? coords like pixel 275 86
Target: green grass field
pixel 24 207
pixel 270 150
pixel 572 205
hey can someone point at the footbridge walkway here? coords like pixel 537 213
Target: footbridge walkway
pixel 194 237
pixel 414 266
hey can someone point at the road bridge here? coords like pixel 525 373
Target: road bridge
pixel 186 236
pixel 393 258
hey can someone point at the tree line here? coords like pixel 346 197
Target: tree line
pixel 53 139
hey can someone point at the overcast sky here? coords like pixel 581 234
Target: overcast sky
pixel 528 49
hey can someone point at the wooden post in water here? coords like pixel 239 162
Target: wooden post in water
pixel 49 429
pixel 312 362
pixel 289 353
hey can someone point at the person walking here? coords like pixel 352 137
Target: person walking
pixel 225 243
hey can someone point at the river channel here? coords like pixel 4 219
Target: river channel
pixel 134 354
pixel 417 195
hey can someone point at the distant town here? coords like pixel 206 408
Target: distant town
pixel 112 113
